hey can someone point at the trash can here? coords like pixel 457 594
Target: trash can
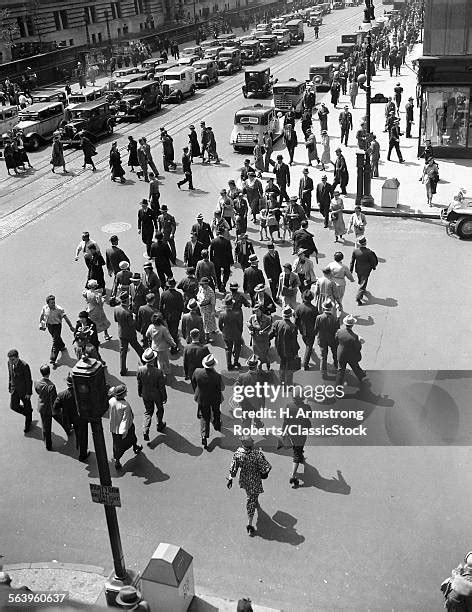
pixel 390 193
pixel 167 583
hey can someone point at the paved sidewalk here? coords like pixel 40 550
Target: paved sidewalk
pixel 412 195
pixel 85 583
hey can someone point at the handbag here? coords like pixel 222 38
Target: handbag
pixel 264 475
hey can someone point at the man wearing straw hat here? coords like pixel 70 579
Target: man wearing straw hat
pixel 208 386
pixel 285 333
pixel 152 389
pixel 326 326
pixel 349 351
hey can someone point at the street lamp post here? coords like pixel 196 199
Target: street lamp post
pixel 367 199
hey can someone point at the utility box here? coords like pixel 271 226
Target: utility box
pixel 390 192
pixel 167 583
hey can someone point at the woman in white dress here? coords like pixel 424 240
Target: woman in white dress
pixel 94 299
pixel 326 155
pixel 339 273
pixel 357 223
pixel 336 216
pixel 206 300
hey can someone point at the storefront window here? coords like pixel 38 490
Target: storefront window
pixel 445 117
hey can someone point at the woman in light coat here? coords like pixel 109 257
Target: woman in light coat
pixel 311 148
pixel 94 299
pixel 336 216
pixel 122 425
pixel 357 223
pixel 206 300
pixel 288 286
pixel 339 273
pixel 326 155
pixel 160 341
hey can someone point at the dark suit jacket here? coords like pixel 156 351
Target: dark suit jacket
pixel 114 256
pixel 162 255
pixel 192 258
pixel 143 320
pixel 272 267
pixel 192 320
pixel 303 239
pixel 305 316
pixel 363 260
pixel 208 386
pixel 126 325
pixel 302 187
pixel 147 221
pixel 151 385
pixel 172 304
pixel 285 333
pixel 19 378
pixel 204 233
pixel 252 277
pixel 282 174
pixel 324 193
pixel 249 379
pixel 221 252
pixel 230 324
pixel 349 345
pixel 326 326
pixel 193 356
pixel 47 394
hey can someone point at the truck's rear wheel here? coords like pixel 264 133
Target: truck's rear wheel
pixel 464 228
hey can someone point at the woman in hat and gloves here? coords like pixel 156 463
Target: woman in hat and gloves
pixel 430 179
pixel 122 424
pixel 95 264
pixel 88 149
pixel 206 300
pixel 194 145
pixel 339 273
pixel 357 223
pixel 132 153
pixel 326 155
pixel 253 467
pixel 325 289
pixel 311 149
pixel 94 298
pixel 85 329
pixel 115 164
pixel 130 598
pixel 288 286
pixel 57 158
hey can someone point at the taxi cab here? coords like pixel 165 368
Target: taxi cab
pixel 84 96
pixel 251 122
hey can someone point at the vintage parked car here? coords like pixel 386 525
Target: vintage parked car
pixel 250 51
pixel 139 99
pixel 251 122
pixel 196 50
pixel 86 95
pixel 226 40
pixel 94 119
pixel 295 26
pixel 49 95
pixel 213 52
pixel 188 60
pixel 206 72
pixel 8 119
pixel 229 61
pixel 289 94
pixel 178 82
pixel 258 82
pixel 120 83
pixel 321 75
pixel 269 45
pixel 283 37
pixel 457 217
pixel 159 71
pixel 38 123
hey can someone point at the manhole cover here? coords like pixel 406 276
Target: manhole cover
pixel 115 228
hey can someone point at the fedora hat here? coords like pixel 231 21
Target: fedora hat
pixel 149 355
pixel 128 597
pixel 349 321
pixel 147 264
pixel 252 362
pixel 233 285
pixel 328 306
pixel 192 304
pixel 92 284
pixel 209 361
pixel 287 312
pixel 253 259
pixel 124 265
pixel 259 288
pixel 119 390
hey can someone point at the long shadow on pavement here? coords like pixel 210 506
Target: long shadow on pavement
pixel 176 442
pixel 312 478
pixel 279 527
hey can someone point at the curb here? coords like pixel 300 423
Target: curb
pixel 53 565
pixel 396 213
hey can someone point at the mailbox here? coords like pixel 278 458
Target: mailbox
pixel 390 191
pixel 167 583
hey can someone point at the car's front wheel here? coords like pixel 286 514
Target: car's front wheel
pixel 35 143
pixel 464 228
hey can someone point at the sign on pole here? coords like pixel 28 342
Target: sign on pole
pixel 109 496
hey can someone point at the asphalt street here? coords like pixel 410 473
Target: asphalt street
pixel 373 528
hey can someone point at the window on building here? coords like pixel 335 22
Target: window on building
pixel 71 42
pixel 125 30
pixel 94 38
pixel 60 19
pixel 138 7
pixel 141 26
pixel 99 37
pixel 119 32
pixel 115 10
pixel 90 15
pixel 65 21
pixel 25 26
pixel 445 116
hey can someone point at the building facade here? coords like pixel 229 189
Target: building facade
pixel 445 78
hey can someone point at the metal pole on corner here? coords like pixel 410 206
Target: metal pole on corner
pixel 367 199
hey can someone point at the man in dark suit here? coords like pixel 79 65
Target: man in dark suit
pixel 305 316
pixel 189 286
pixel 326 326
pixel 194 353
pixel 147 224
pixel 167 226
pixel 345 121
pixel 303 239
pixel 221 255
pixel 208 386
pixel 172 307
pixel 192 320
pixel 252 277
pixel 66 412
pixel 187 170
pixel 20 387
pixel 231 327
pixel 272 268
pixel 282 177
pixel 47 394
pixel 144 316
pixel 152 388
pixel 114 256
pixel 409 108
pixel 324 193
pixel 203 231
pixel 363 260
pixel 305 189
pixel 349 351
pixel 161 253
pixel 193 251
pixel 238 300
pixel 126 331
pixel 250 379
pixel 341 173
pixel 243 249
pixel 285 333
